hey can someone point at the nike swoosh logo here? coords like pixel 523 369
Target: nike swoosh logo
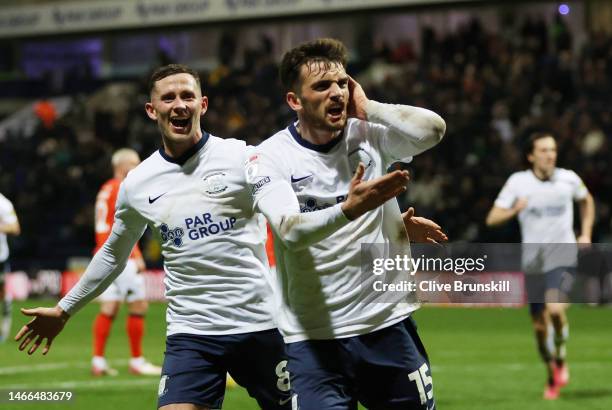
pixel 294 180
pixel 151 200
pixel 283 402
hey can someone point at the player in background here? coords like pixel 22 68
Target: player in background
pixel 9 225
pixel 192 193
pixel 308 179
pixel 128 286
pixel 542 200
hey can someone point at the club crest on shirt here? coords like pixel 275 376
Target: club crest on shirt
pixel 214 183
pixel 361 155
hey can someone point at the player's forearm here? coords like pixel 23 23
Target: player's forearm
pixel 301 230
pixel 587 216
pixel 298 230
pixel 105 266
pixel 417 129
pixel 498 216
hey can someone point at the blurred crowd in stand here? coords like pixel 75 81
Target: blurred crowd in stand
pixel 492 88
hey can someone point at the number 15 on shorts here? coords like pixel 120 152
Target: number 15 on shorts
pixel 423 381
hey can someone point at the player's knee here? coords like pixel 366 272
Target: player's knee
pixel 540 327
pixel 138 307
pixel 556 310
pixel 539 321
pixel 109 309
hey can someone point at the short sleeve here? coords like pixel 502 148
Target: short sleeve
pixel 263 173
pixel 7 212
pixel 509 194
pixel 579 190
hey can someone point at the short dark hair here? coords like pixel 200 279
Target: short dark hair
pixel 533 137
pixel 171 69
pixel 325 50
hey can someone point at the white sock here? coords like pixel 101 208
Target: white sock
pixel 99 362
pixel 6 328
pixel 560 341
pixel 137 361
pixel 550 339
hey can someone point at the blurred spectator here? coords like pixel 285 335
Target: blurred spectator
pixel 46 113
pixel 492 88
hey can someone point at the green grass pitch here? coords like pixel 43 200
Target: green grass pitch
pixel 482 358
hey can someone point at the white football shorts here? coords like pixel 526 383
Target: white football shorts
pixel 129 286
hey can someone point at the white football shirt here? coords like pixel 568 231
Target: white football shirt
pixel 213 244
pixel 7 216
pixel 323 293
pixel 548 217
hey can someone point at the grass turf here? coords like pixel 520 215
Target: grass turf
pixel 481 358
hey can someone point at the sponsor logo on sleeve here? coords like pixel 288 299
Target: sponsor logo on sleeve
pixel 256 187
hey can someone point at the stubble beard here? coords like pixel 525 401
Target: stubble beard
pixel 317 122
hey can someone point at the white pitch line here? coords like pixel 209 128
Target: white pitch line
pixel 40 367
pixel 29 368
pixel 117 383
pixel 76 384
pixel 513 367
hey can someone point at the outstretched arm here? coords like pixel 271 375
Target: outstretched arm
pixel 299 230
pixel 47 323
pixel 105 266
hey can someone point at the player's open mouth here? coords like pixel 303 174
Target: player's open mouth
pixel 180 125
pixel 335 113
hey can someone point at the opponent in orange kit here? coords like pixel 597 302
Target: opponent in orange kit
pixel 128 286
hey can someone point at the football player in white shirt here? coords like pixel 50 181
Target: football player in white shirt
pixel 192 193
pixel 542 199
pixel 344 346
pixel 9 225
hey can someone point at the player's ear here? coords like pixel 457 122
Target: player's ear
pixel 294 101
pixel 204 105
pixel 530 158
pixel 151 111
